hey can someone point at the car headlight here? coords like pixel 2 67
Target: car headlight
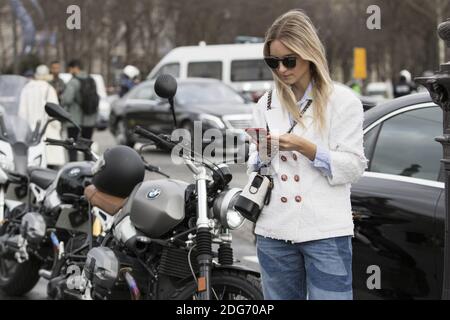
pixel 223 209
pixel 212 121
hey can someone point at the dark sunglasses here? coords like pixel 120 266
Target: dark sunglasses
pixel 274 62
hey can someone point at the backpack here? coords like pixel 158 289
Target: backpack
pixel 89 97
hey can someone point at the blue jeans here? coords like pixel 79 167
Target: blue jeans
pixel 317 270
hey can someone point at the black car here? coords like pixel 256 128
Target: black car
pixel 399 203
pixel 214 104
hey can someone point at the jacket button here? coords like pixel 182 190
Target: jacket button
pixel 283 158
pixel 298 199
pixel 294 156
pixel 296 178
pixel 283 199
pixel 284 177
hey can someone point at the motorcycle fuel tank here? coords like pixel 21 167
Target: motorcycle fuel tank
pixel 157 206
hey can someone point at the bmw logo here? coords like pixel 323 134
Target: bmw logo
pixel 74 172
pixel 153 194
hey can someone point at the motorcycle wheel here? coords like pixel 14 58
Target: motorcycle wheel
pixel 226 285
pixel 16 279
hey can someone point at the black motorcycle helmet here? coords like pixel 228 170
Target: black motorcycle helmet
pixel 118 171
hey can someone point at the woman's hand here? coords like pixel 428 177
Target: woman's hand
pixel 292 142
pixel 264 146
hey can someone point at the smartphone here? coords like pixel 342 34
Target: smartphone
pixel 256 133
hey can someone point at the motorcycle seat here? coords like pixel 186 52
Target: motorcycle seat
pixel 42 177
pixel 108 203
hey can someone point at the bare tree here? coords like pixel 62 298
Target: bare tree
pixel 117 32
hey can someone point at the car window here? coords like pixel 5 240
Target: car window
pixel 143 92
pixel 207 93
pixel 172 69
pixel 406 145
pixel 370 139
pixel 211 69
pixel 250 70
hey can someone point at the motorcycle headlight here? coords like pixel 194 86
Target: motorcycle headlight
pixel 234 219
pixel 224 212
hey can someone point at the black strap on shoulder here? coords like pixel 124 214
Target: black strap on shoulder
pixel 301 115
pixel 269 100
pixel 269 107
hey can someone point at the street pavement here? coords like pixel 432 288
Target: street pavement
pixel 243 239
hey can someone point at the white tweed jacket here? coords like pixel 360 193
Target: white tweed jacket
pixel 306 204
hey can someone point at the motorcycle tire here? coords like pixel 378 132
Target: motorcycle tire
pixel 16 279
pixel 226 285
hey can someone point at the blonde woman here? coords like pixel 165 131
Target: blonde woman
pixel 316 137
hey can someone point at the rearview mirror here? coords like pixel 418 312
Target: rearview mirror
pixel 57 112
pixel 166 88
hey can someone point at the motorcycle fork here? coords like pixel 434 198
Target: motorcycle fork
pixel 204 237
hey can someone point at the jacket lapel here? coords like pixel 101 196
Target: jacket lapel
pixel 277 118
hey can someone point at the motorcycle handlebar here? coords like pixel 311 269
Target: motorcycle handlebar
pixel 159 140
pixel 83 145
pixel 64 143
pixel 162 142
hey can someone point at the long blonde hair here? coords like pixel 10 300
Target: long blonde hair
pixel 295 30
